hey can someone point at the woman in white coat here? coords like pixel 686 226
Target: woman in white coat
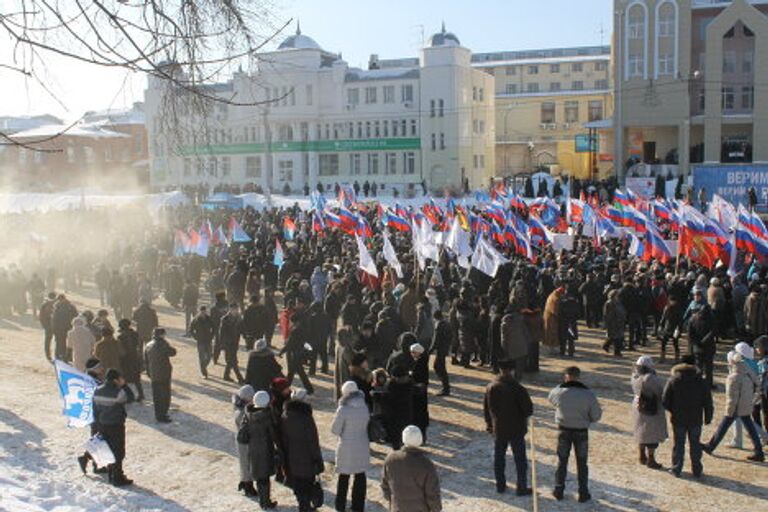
pixel 353 454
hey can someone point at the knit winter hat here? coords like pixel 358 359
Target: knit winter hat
pixel 348 388
pixel 646 361
pixel 246 393
pixel 261 399
pixel 280 384
pixel 299 394
pixel 412 436
pixel 745 350
pixel 417 348
pixel 260 345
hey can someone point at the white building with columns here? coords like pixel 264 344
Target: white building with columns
pixel 318 120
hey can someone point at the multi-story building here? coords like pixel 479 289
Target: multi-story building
pixel 545 99
pixel 304 117
pixel 690 82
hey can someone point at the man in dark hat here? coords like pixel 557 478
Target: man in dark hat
pixel 203 331
pixel 109 401
pixel 157 356
pixel 507 407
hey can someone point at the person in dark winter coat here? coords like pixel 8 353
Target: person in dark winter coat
pixel 514 340
pixel 203 331
pixel 671 324
pixel 701 336
pixel 108 350
pixel 507 407
pixel 294 348
pixel 230 330
pixel 262 367
pixel 45 317
pixel 130 356
pixel 145 319
pixel 253 322
pixel 189 299
pixel 61 320
pixel 217 311
pixel 157 361
pixel 409 480
pixel 398 406
pixel 261 436
pixel 614 316
pixel 388 330
pixel 109 413
pixel 304 459
pixel 688 399
pixel 441 347
pixel 344 354
pixel 319 330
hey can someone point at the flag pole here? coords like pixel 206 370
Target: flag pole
pixel 533 471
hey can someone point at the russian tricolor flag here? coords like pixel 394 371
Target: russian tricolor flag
pixel 289 228
pixel 395 221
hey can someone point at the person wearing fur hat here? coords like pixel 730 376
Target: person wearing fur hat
pixel 650 421
pixel 157 360
pixel 130 356
pixel 262 367
pixel 303 457
pixel 350 425
pixel 688 399
pixel 240 401
pixel 107 350
pixel 259 433
pixel 740 388
pixel 409 480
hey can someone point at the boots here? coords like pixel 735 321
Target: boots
pixel 643 458
pixel 247 488
pixel 117 477
pixel 265 500
pixel 652 464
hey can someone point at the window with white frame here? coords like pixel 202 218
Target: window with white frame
pixel 511 89
pixel 728 98
pixel 533 88
pixel 440 107
pixel 601 84
pixel 601 65
pixel 595 110
pixel 635 65
pixel 386 128
pixel 577 67
pixel 414 131
pixel 409 163
pixel 442 141
pixel 433 139
pixel 308 94
pixel 548 112
pixel 354 163
pixel 748 97
pixel 370 95
pixel 577 85
pixel 747 65
pixel 533 70
pixel 406 92
pixel 666 64
pixel 389 94
pixel 571 111
pixel 554 86
pixel 554 68
pixel 391 163
pixel 729 62
pixel 213 167
pixel 431 108
pixel 226 166
pixel 329 164
pixel 373 163
pixel 353 96
pixel 511 70
pixel 253 167
pixel 667 21
pixel 285 170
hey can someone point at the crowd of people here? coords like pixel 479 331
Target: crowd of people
pixel 378 336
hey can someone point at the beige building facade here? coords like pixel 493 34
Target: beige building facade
pixel 690 83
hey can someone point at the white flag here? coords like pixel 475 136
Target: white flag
pixel 366 263
pixel 427 244
pixel 732 272
pixel 416 243
pixel 486 259
pixel 458 242
pixel 391 256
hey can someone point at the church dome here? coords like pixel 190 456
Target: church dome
pixel 299 41
pixel 443 38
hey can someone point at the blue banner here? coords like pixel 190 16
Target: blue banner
pixel 76 390
pixel 732 182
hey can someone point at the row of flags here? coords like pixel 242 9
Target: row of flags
pixel 199 241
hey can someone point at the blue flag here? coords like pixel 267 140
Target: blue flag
pixel 76 390
pixel 278 259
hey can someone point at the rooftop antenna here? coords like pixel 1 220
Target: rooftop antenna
pixel 443 28
pixel 298 27
pixel 602 33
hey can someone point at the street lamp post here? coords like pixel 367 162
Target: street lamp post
pixel 693 76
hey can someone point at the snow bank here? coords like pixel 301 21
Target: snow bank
pixel 28 202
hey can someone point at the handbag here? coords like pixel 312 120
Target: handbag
pixel 244 434
pixel 648 405
pixel 100 451
pixel 317 497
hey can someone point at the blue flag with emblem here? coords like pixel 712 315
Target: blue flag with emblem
pixel 76 390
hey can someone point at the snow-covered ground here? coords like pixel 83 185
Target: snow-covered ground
pixel 190 465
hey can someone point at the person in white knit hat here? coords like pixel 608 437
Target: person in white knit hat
pixel 353 453
pixel 650 421
pixel 409 479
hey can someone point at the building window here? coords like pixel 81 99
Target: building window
pixel 747 98
pixel 376 129
pixel 353 96
pixel 431 108
pixel 308 94
pixel 548 113
pixel 413 128
pixel 554 68
pixel 253 167
pixel 481 126
pixel 213 166
pixel 533 88
pixel 571 111
pixel 533 70
pixel 636 28
pixel 407 93
pixel 729 98
pixel 481 94
pixel 389 94
pixel 475 161
pixel 577 85
pixel 351 130
pixel 370 95
pixel 386 128
pixel 226 166
pixel 601 65
pixel 433 140
pixel 286 133
pixel 601 85
pixel 187 167
pixel 329 165
pixel 200 167
pixel 394 128
pixel 373 163
pixel 359 129
pixel 482 161
pixel 474 94
pixel 577 67
pixel 635 66
pixel 403 128
pixel 409 163
pixel 285 169
pixel 748 63
pixel 440 107
pixel 354 163
pixel 554 86
pixel 511 70
pixel 596 110
pixel 729 62
pixel 667 21
pixel 511 89
pixel 391 163
pixel 666 64
pixel 442 140
pixel 367 129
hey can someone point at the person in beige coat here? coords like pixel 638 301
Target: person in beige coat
pixel 740 388
pixel 552 324
pixel 409 479
pixel 81 342
pixel 650 421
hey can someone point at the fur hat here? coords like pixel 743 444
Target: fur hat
pixel 348 388
pixel 261 399
pixel 646 361
pixel 260 345
pixel 299 394
pixel 412 436
pixel 246 393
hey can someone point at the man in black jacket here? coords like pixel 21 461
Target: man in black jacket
pixel 157 360
pixel 688 398
pixel 109 401
pixel 230 330
pixel 218 310
pixel 441 347
pixel 203 331
pixel 701 336
pixel 294 345
pixel 507 407
pixel 253 322
pixel 262 367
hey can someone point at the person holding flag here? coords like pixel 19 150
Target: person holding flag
pixel 109 401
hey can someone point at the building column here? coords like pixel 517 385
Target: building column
pixel 684 148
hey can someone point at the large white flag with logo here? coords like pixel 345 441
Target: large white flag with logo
pixel 486 259
pixel 391 256
pixel 366 263
pixel 76 390
pixel 458 242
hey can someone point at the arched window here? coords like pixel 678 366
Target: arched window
pixel 636 40
pixel 667 41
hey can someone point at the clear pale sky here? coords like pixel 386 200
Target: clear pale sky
pixel 357 28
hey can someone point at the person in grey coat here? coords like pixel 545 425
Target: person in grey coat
pixel 650 420
pixel 157 360
pixel 409 480
pixel 576 408
pixel 240 401
pixel 353 453
pixel 344 351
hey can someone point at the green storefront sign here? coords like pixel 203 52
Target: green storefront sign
pixel 320 146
